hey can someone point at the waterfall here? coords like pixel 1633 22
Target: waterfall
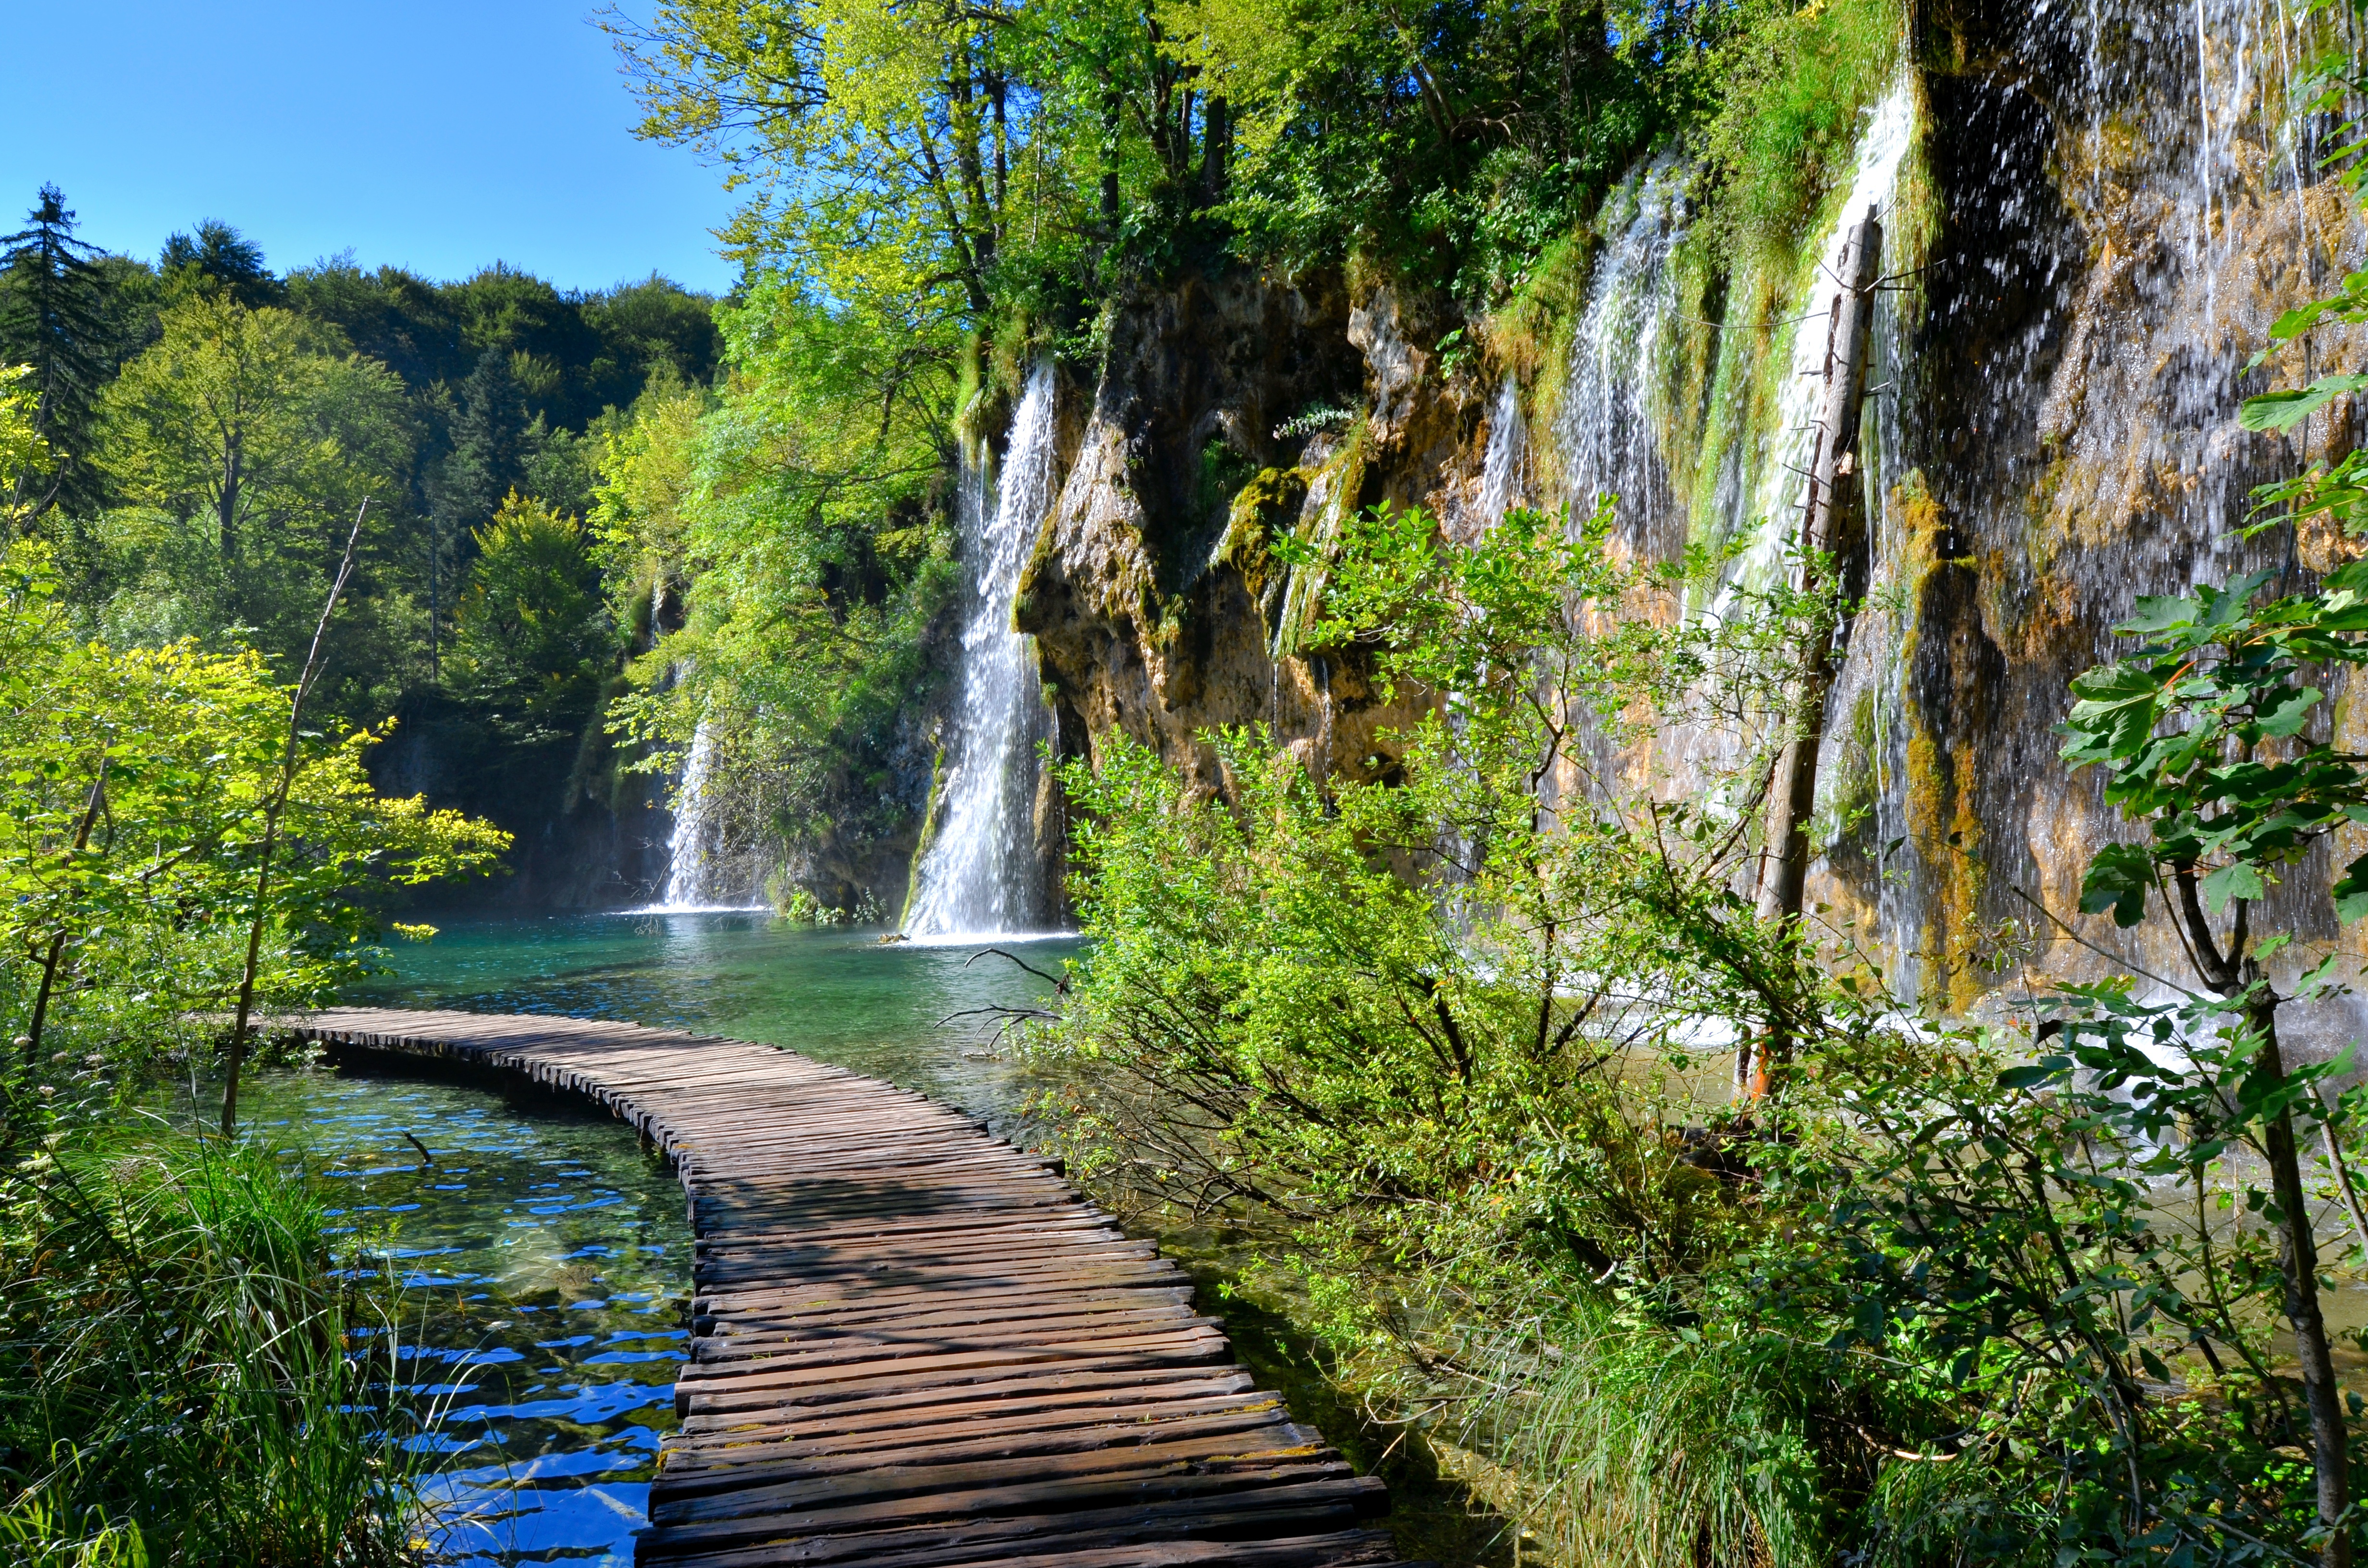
pixel 692 864
pixel 983 874
pixel 1500 467
pixel 1606 430
pixel 1781 496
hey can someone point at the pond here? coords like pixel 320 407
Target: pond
pixel 546 1257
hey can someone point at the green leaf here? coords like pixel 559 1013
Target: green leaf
pixel 2286 711
pixel 2283 410
pixel 2157 612
pixel 2235 880
pixel 2351 891
pixel 2117 879
pixel 2046 1070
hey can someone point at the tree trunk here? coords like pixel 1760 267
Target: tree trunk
pixel 1792 788
pixel 226 504
pixel 2329 1437
pixel 58 942
pixel 273 807
pixel 1216 136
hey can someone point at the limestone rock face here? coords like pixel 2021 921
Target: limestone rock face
pixel 1151 594
pixel 2092 235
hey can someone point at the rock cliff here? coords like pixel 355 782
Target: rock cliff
pixel 2089 241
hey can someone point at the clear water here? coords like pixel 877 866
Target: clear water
pixel 546 1257
pixel 916 1014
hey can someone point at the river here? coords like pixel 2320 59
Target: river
pixel 546 1258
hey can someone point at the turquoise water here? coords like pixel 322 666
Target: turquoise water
pixel 546 1258
pixel 918 1015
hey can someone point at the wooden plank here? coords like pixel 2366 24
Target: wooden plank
pixel 913 1345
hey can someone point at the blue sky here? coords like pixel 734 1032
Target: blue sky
pixel 432 134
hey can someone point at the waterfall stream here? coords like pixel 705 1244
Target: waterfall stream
pixel 1606 432
pixel 1501 466
pixel 1781 494
pixel 694 868
pixel 982 874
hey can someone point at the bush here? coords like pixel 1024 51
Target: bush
pixel 1452 1044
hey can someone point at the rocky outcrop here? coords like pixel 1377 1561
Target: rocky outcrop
pixel 1228 412
pixel 2093 237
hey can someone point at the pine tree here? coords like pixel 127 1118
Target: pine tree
pixel 220 258
pixel 53 318
pixel 491 444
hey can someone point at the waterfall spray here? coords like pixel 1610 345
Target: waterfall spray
pixel 689 855
pixel 1508 454
pixel 983 874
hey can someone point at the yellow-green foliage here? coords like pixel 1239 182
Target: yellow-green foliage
pixel 181 749
pixel 23 455
pixel 647 474
pixel 1795 82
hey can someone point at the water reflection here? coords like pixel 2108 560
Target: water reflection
pixel 923 1017
pixel 546 1262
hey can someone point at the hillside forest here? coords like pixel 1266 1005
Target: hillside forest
pixel 212 428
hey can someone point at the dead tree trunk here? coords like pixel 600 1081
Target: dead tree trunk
pixel 1833 466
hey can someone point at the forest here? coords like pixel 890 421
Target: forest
pixel 212 428
pixel 1684 678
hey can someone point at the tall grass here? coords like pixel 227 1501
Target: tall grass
pixel 182 1376
pixel 1629 1443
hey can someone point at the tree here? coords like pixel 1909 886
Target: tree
pixel 54 319
pixel 141 781
pixel 2205 732
pixel 806 515
pixel 532 637
pixel 492 441
pixel 23 455
pixel 892 152
pixel 261 425
pixel 220 260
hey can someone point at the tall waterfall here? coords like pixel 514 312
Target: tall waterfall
pixel 983 874
pixel 1606 430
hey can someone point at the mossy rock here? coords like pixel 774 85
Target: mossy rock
pixel 1270 503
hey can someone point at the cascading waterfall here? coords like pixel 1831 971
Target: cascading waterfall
pixel 1781 495
pixel 1501 466
pixel 1606 432
pixel 983 874
pixel 691 863
pixel 1610 431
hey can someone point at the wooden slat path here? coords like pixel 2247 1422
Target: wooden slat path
pixel 913 1343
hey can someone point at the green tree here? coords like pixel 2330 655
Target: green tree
pixel 804 516
pixel 23 454
pixel 261 427
pixel 135 812
pixel 54 319
pixel 2206 735
pixel 533 639
pixel 219 260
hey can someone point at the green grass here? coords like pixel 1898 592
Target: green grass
pixel 1797 82
pixel 182 1377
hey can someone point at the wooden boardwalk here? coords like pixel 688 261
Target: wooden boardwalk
pixel 913 1343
